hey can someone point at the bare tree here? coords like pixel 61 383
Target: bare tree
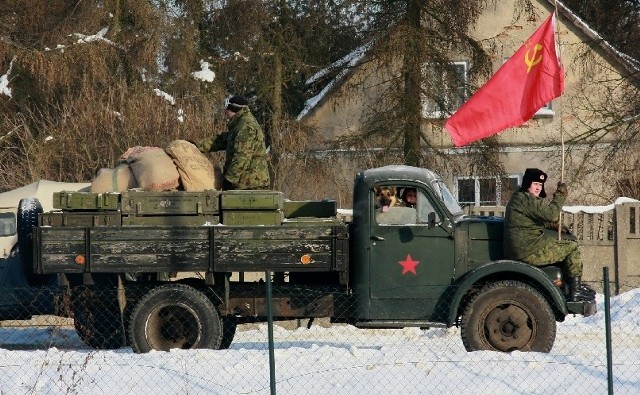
pixel 608 104
pixel 90 80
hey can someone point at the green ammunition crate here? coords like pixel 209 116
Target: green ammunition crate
pixel 71 200
pixel 252 217
pixel 310 208
pixel 170 203
pixel 251 200
pixel 79 219
pixel 178 220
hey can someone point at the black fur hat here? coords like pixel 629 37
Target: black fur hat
pixel 235 103
pixel 531 175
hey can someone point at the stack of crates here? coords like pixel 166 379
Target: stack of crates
pixel 251 207
pixel 83 209
pixel 170 208
pixel 182 208
pixel 133 207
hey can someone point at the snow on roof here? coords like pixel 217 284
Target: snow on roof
pixel 347 62
pixel 351 59
pixel 625 60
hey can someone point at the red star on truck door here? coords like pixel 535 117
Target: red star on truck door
pixel 409 265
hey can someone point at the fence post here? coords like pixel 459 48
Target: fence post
pixel 607 325
pixel 272 363
pixel 619 234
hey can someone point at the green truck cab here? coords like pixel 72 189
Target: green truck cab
pixel 178 269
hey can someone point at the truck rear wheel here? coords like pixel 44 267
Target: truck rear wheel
pixel 97 320
pixel 508 316
pixel 174 316
pixel 229 327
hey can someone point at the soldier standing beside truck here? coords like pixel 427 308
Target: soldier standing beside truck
pixel 246 165
pixel 527 217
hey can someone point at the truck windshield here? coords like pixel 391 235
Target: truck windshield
pixel 447 197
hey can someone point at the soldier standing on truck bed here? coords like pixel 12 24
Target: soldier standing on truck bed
pixel 245 165
pixel 525 239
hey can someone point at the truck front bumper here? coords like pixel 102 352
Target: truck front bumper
pixel 586 308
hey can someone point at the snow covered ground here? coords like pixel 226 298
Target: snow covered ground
pixel 332 360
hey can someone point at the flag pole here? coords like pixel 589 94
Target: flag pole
pixel 562 158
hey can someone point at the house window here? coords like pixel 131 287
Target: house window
pixel 444 91
pixel 545 111
pixel 486 191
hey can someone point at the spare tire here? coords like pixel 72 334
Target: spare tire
pixel 28 210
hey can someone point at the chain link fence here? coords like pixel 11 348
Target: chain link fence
pixel 80 345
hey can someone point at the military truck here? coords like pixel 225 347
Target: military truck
pixel 162 270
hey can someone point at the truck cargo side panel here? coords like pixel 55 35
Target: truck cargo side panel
pixel 122 249
pixel 173 249
pixel 305 248
pixel 59 248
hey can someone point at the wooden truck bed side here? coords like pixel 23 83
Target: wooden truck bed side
pixel 118 249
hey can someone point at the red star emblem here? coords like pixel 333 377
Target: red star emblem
pixel 409 265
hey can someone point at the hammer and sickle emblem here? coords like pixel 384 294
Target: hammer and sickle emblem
pixel 533 60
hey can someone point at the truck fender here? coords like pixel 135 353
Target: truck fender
pixel 506 269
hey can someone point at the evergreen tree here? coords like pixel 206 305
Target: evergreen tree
pixel 418 38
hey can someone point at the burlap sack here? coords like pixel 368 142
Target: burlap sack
pixel 195 169
pixel 152 167
pixel 119 179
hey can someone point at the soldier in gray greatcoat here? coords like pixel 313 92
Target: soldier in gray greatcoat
pixel 526 218
pixel 246 163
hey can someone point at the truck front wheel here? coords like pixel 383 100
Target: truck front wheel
pixel 174 316
pixel 508 316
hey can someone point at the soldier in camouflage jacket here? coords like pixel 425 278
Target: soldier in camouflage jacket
pixel 525 237
pixel 246 165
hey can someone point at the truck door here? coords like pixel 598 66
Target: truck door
pixel 411 261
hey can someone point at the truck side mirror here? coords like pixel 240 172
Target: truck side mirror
pixel 7 224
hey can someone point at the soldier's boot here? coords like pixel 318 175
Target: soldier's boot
pixel 588 291
pixel 577 292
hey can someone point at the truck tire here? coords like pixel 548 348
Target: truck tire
pixel 28 210
pixel 97 319
pixel 508 316
pixel 174 316
pixel 229 326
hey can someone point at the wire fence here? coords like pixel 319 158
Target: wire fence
pixel 80 343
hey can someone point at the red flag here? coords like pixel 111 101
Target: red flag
pixel 532 77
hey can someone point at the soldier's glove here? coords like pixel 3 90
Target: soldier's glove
pixel 562 188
